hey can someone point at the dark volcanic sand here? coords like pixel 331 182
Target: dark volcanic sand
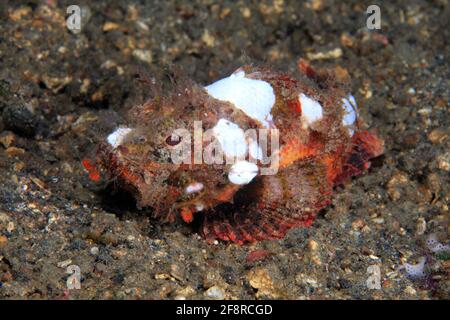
pixel 61 92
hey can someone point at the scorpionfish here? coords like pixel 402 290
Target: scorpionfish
pixel 257 153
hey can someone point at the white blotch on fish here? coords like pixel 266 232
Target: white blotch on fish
pixel 116 138
pixel 242 172
pixel 311 109
pixel 231 138
pixel 254 97
pixel 350 107
pixel 194 187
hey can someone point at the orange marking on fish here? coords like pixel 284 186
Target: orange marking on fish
pixel 333 167
pixel 187 215
pixel 227 193
pixel 306 68
pixel 295 106
pixel 94 174
pixel 293 151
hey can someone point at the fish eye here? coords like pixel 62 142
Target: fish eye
pixel 140 139
pixel 173 140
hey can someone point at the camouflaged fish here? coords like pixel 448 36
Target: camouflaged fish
pixel 261 152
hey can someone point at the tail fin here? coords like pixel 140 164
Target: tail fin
pixel 366 146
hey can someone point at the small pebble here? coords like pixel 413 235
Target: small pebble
pixel 410 291
pixel 259 278
pixel 183 293
pixel 10 227
pixel 332 54
pixel 143 55
pixel 378 220
pixel 65 263
pixel 177 272
pixel 314 254
pixel 108 26
pixel 358 224
pixel 444 162
pixel 6 139
pixel 19 119
pixel 412 91
pixel 215 292
pixel 437 136
pixel 3 241
pixel 162 276
pixel 421 226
